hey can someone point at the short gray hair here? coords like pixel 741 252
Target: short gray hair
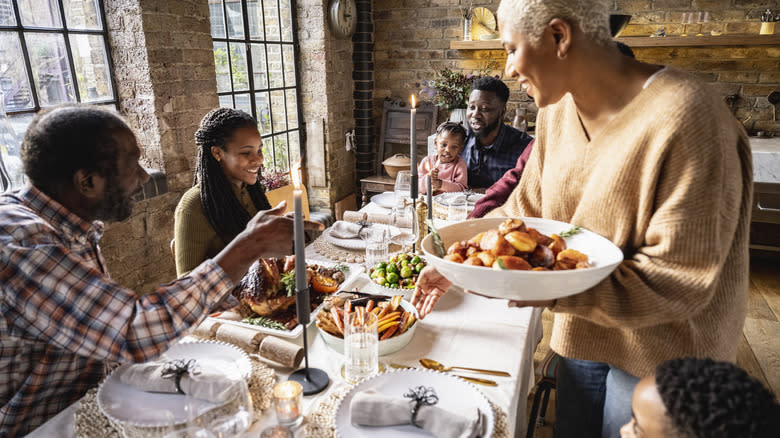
pixel 529 17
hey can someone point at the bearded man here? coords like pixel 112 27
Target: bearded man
pixel 492 147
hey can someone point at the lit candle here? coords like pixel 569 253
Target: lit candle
pixel 429 188
pixel 287 402
pixel 413 153
pixel 301 287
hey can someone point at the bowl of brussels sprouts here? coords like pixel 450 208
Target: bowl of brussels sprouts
pixel 397 275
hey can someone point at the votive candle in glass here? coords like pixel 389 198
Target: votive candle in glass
pixel 287 403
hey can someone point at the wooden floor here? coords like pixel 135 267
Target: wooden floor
pixel 759 350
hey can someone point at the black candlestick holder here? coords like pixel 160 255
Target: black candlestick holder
pixel 313 380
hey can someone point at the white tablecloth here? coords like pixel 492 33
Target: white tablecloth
pixel 464 330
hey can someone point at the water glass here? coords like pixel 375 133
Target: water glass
pixel 361 345
pixel 403 189
pixel 377 241
pixel 458 209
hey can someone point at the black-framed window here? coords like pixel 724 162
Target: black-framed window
pixel 51 52
pixel 256 52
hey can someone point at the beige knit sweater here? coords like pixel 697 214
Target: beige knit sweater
pixel 669 181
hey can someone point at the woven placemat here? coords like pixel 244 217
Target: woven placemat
pixel 320 421
pixel 333 252
pixel 89 421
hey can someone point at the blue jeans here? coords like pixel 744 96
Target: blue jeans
pixel 592 399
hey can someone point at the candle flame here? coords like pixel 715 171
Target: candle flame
pixel 427 166
pixel 295 175
pixel 414 103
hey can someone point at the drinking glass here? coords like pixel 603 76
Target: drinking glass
pixel 704 17
pixel 458 209
pixel 361 345
pixel 377 241
pixel 687 18
pixel 409 235
pixel 403 189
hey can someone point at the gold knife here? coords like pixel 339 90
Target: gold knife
pixel 476 380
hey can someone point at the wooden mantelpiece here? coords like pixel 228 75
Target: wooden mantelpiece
pixel 668 41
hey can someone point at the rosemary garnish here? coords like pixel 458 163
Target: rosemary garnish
pixel 572 231
pixel 343 267
pixel 438 245
pixel 501 264
pixel 265 322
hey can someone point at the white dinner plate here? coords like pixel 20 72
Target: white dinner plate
pixel 386 199
pixel 454 394
pixel 358 243
pixel 123 403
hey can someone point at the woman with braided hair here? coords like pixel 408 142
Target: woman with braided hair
pixel 702 398
pixel 226 191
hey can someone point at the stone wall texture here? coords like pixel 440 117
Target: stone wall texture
pixel 413 38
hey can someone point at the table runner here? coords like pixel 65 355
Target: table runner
pixel 89 421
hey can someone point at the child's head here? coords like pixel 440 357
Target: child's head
pixel 702 398
pixel 450 140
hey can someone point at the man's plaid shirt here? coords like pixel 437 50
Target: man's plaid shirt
pixel 62 318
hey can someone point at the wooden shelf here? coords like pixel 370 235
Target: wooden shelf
pixel 669 41
pixel 706 40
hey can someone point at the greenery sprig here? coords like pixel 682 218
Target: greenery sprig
pixel 571 231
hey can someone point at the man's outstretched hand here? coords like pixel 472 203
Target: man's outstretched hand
pixel 431 285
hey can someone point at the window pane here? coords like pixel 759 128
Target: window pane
pixel 223 70
pixel 235 19
pixel 278 111
pixel 292 109
pixel 238 65
pixel 82 14
pixel 243 103
pixel 91 63
pixel 7 16
pixel 259 66
pixel 271 14
pixel 226 101
pixel 40 13
pixel 289 65
pixel 13 75
pixel 280 152
pixel 263 112
pixel 275 74
pixel 255 19
pixel 295 146
pixel 217 19
pixel 51 72
pixel 287 28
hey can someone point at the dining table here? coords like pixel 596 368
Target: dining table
pixel 464 330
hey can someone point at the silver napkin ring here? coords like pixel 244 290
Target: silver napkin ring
pixel 175 369
pixel 421 396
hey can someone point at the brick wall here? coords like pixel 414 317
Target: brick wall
pixel 165 78
pixel 413 38
pixel 326 95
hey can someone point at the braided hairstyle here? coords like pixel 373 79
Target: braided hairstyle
pixel 220 205
pixel 709 399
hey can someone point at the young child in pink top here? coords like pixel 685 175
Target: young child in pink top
pixel 448 170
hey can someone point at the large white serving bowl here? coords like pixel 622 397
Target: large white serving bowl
pixel 603 255
pixel 388 346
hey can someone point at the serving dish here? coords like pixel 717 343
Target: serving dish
pixel 454 394
pixel 604 257
pixel 123 403
pixel 349 283
pixel 388 346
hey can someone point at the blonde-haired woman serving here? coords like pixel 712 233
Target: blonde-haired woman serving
pixel 653 160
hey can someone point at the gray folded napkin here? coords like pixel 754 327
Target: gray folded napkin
pixel 347 230
pixel 200 382
pixel 371 408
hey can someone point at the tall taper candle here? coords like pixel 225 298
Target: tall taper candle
pixel 413 152
pixel 301 287
pixel 429 197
